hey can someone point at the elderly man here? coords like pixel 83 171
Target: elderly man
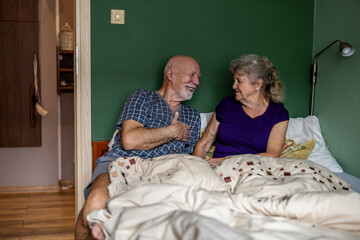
pixel 151 124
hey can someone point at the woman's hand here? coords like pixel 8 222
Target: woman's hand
pixel 215 161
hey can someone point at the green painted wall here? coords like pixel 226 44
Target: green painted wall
pixel 337 98
pixel 131 56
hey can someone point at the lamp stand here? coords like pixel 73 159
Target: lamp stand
pixel 313 81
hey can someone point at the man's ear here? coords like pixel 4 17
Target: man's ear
pixel 169 74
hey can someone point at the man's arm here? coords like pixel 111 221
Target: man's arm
pixel 134 135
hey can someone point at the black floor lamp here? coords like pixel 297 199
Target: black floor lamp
pixel 346 50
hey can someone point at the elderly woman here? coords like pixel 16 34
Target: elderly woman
pixel 254 121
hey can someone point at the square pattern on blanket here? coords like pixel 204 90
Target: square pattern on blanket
pixel 174 168
pixel 264 176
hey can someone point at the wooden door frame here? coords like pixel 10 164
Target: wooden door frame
pixel 82 98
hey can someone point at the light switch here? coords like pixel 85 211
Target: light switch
pixel 117 16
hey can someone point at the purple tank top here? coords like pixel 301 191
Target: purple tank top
pixel 240 134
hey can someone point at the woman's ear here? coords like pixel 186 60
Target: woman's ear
pixel 259 83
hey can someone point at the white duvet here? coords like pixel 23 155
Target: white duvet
pixel 246 197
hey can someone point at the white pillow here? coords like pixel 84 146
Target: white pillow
pixel 205 119
pixel 112 139
pixel 304 129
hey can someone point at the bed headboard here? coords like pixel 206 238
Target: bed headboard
pixel 99 149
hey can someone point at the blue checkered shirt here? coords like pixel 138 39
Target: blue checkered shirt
pixel 151 110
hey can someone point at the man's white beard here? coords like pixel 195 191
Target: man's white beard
pixel 186 95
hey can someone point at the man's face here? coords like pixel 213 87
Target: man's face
pixel 186 79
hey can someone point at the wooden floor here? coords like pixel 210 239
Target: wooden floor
pixel 38 215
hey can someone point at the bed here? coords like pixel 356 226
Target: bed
pixel 303 195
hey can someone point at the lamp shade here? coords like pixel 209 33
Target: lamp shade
pixel 346 49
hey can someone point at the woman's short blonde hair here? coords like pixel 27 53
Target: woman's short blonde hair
pixel 256 67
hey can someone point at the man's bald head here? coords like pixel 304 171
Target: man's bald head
pixel 179 61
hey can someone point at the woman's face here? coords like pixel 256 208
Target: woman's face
pixel 244 89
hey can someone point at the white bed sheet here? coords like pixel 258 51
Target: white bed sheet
pixel 164 199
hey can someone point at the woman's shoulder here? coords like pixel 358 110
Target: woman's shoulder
pixel 279 110
pixel 226 106
pixel 227 100
pixel 277 105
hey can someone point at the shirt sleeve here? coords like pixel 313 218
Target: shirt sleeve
pixel 220 108
pixel 135 108
pixel 283 114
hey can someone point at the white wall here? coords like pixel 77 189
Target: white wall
pixel 33 166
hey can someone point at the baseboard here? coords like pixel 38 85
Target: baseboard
pixel 63 185
pixel 66 184
pixel 30 189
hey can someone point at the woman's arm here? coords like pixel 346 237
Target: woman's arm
pixel 207 139
pixel 276 140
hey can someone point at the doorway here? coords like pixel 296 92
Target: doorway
pixel 65 89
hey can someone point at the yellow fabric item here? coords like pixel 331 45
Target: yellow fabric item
pixel 210 153
pixel 299 151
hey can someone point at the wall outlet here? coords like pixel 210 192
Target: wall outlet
pixel 117 16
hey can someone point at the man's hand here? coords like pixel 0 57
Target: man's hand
pixel 182 130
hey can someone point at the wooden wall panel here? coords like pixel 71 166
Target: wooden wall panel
pixel 20 42
pixel 19 10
